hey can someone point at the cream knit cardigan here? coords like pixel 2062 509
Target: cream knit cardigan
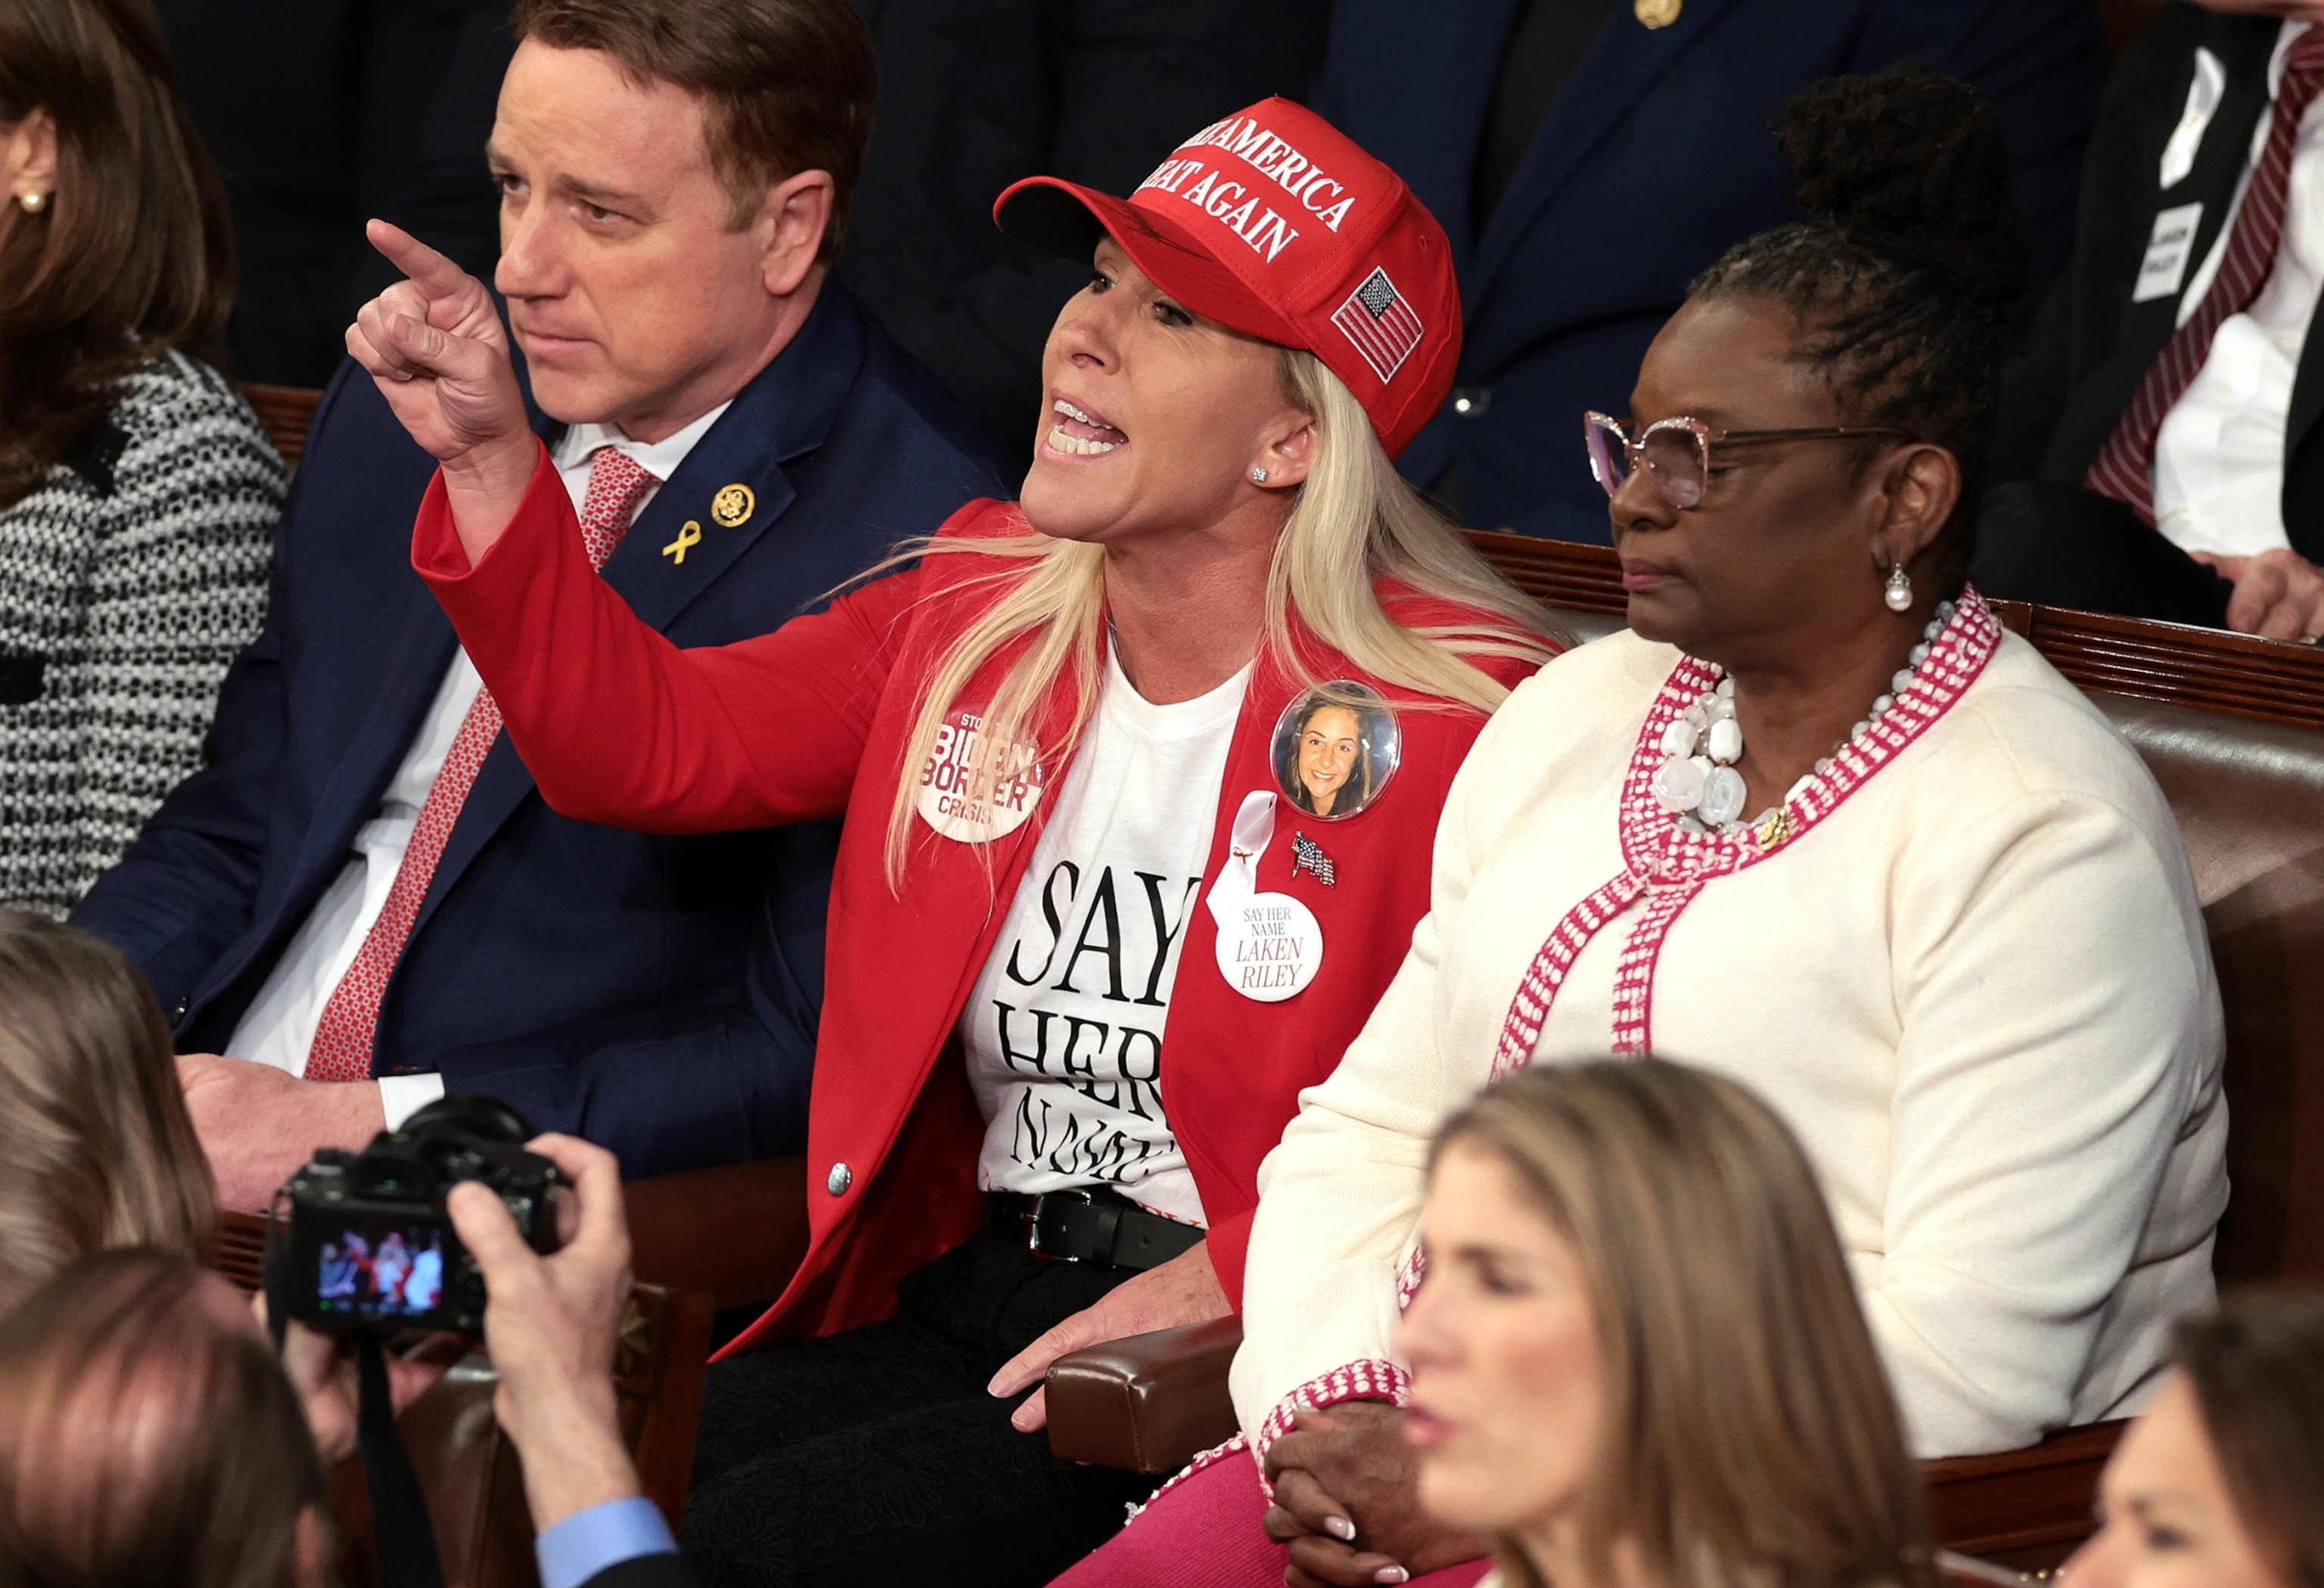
pixel 1979 991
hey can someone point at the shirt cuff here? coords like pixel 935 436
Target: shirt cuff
pixel 402 1096
pixel 588 1542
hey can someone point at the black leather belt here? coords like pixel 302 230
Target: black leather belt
pixel 1102 1227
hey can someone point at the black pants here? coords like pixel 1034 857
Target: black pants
pixel 875 1457
pixel 2065 547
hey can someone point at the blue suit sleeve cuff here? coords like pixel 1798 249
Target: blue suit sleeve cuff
pixel 588 1541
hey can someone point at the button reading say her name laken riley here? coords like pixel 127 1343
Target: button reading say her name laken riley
pixel 1270 948
pixel 960 800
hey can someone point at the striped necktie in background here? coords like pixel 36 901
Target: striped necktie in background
pixel 2125 469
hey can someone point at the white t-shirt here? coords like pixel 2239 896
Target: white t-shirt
pixel 1063 1029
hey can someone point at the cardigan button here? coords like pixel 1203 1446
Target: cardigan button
pixel 840 1178
pixel 179 1013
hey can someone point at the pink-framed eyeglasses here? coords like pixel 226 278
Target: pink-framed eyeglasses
pixel 1676 451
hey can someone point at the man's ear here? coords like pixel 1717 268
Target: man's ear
pixel 792 223
pixel 1919 488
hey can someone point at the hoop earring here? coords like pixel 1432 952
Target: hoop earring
pixel 33 203
pixel 1258 477
pixel 1899 592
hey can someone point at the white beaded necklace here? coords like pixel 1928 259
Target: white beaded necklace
pixel 1697 780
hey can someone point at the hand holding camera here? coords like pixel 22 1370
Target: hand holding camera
pixel 457 1224
pixel 551 1326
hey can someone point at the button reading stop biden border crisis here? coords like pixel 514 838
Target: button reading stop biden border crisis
pixel 961 799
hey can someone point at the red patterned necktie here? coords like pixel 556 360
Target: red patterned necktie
pixel 343 1038
pixel 2125 469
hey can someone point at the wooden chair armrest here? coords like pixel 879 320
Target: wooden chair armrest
pixel 1148 1403
pixel 736 1233
pixel 2027 1508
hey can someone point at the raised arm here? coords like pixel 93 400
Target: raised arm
pixel 616 724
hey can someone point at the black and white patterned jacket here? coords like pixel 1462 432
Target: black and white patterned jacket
pixel 128 581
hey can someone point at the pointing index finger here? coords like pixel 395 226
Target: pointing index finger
pixel 435 276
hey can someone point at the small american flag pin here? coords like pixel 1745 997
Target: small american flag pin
pixel 1307 855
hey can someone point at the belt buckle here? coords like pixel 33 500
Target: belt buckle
pixel 1032 1216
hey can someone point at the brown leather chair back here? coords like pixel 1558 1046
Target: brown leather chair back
pixel 287 413
pixel 2249 796
pixel 473 1482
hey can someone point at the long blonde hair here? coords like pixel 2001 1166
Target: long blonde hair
pixel 96 1146
pixel 1748 1434
pixel 1353 522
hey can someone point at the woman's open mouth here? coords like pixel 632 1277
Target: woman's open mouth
pixel 1079 433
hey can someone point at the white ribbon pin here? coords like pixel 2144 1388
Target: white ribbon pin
pixel 1270 946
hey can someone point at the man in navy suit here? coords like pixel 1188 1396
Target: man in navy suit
pixel 361 902
pixel 1589 157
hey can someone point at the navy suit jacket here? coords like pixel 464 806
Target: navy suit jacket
pixel 1652 161
pixel 658 996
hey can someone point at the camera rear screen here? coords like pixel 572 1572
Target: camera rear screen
pixel 379 1267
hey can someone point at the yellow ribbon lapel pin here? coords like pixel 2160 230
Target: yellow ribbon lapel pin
pixel 1657 13
pixel 688 537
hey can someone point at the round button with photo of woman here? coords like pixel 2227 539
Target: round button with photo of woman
pixel 1336 746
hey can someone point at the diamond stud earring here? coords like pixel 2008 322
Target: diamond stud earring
pixel 1899 592
pixel 1258 477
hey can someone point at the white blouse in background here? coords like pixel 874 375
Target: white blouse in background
pixel 1979 991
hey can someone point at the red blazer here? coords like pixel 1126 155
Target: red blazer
pixel 618 726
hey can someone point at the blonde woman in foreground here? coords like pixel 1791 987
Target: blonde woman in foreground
pixel 1084 949
pixel 1637 1357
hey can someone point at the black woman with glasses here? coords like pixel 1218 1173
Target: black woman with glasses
pixel 1815 822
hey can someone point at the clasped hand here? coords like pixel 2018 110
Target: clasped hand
pixel 1347 1501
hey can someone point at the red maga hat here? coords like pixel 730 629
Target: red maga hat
pixel 1275 224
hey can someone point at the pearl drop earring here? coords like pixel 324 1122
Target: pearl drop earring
pixel 1899 592
pixel 33 203
pixel 1258 477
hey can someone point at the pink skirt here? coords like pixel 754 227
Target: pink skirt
pixel 1202 1531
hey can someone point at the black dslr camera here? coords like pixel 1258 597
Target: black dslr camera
pixel 368 1245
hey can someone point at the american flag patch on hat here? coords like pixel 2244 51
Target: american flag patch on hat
pixel 1380 323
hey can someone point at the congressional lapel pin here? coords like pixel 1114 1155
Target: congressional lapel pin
pixel 1270 945
pixel 1334 750
pixel 1657 13
pixel 688 537
pixel 734 505
pixel 1307 855
pixel 966 799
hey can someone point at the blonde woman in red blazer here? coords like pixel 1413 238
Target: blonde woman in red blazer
pixel 1066 735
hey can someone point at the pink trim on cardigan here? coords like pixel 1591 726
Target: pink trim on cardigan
pixel 1669 866
pixel 1372 1379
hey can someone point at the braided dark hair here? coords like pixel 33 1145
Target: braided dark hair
pixel 1906 268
